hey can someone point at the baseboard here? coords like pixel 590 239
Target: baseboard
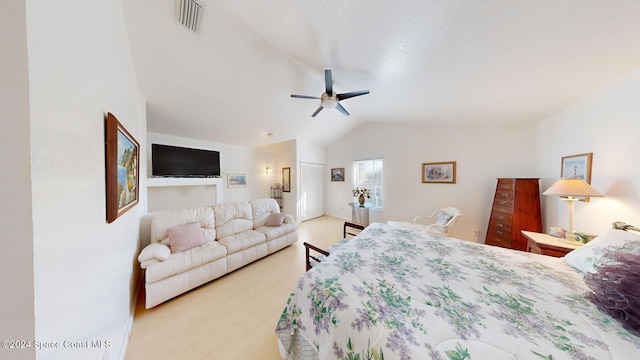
pixel 132 315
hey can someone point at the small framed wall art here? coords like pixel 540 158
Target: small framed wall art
pixel 337 174
pixel 122 158
pixel 286 179
pixel 577 166
pixel 439 172
pixel 236 180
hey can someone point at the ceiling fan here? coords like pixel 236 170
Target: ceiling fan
pixel 329 99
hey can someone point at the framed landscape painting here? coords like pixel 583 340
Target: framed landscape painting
pixel 439 172
pixel 122 158
pixel 237 180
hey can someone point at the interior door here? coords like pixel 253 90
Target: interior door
pixel 311 190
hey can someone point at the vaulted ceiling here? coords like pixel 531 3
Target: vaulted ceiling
pixel 462 62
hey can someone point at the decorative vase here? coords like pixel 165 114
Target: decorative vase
pixel 361 200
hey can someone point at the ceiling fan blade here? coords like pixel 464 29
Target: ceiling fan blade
pixel 351 94
pixel 317 111
pixel 328 82
pixel 304 96
pixel 342 109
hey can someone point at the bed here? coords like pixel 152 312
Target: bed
pixel 393 293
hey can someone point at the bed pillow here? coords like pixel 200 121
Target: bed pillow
pixel 585 257
pixel 276 219
pixel 185 237
pixel 615 287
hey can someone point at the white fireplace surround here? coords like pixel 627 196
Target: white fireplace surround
pixel 167 182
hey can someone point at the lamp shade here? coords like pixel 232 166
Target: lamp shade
pixel 574 187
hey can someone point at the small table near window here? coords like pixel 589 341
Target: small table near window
pixel 549 245
pixel 360 213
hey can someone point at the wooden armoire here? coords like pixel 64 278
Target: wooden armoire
pixel 516 206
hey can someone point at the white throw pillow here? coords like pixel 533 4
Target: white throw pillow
pixel 585 257
pixel 154 251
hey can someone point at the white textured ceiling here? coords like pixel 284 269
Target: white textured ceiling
pixel 446 61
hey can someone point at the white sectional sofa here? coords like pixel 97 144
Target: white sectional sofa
pixel 190 247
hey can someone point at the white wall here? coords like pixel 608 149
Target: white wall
pixel 287 157
pixel 86 273
pixel 16 257
pixel 308 152
pixel 481 155
pixel 608 125
pixel 605 123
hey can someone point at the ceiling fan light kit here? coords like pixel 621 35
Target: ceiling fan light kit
pixel 330 100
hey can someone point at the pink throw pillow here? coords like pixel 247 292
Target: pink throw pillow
pixel 185 237
pixel 276 219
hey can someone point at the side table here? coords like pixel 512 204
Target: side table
pixel 548 245
pixel 360 213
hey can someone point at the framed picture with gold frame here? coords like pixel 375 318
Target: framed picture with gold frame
pixel 439 172
pixel 577 166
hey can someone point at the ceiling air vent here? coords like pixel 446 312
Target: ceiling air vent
pixel 189 14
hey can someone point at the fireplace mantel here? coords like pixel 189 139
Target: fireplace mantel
pixel 170 181
pixel 176 181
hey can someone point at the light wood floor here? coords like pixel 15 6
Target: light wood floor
pixel 233 317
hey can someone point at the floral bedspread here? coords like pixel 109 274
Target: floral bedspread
pixel 393 293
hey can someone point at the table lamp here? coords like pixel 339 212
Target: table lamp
pixel 571 190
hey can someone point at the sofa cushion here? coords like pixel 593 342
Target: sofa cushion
pixel 276 232
pixel 185 237
pixel 241 241
pixel 276 219
pixel 262 209
pixel 165 220
pixel 183 261
pixel 232 218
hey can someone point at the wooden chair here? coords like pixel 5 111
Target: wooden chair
pixel 349 230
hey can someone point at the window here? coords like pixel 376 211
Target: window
pixel 369 176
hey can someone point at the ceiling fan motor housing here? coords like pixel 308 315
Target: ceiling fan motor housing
pixel 328 102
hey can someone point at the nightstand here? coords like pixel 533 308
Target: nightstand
pixel 548 245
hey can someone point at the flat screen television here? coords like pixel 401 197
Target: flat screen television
pixel 175 161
